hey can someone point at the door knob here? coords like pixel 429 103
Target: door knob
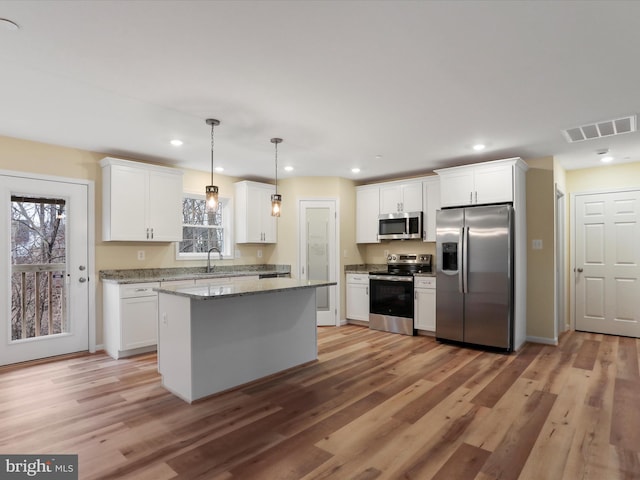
pixel 580 270
pixel 82 279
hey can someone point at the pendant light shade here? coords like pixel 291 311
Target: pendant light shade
pixel 276 199
pixel 211 191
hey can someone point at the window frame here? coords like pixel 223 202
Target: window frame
pixel 226 204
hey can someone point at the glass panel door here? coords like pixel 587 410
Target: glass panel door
pixel 38 267
pixel 44 282
pixel 318 253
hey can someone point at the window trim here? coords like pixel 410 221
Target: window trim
pixel 228 254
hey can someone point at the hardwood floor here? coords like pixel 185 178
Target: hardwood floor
pixel 376 406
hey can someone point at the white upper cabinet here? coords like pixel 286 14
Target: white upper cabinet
pixel 140 202
pixel 398 197
pixel 431 204
pixel 253 220
pixel 367 211
pixel 479 184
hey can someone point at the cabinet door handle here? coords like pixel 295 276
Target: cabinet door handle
pixel 470 197
pixel 367 290
pixel 152 234
pixel 476 196
pixel 147 234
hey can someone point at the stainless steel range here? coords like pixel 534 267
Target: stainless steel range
pixel 391 292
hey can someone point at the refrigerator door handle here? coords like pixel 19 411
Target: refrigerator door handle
pixel 465 261
pixel 461 247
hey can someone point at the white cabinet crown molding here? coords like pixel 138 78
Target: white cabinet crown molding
pixel 109 161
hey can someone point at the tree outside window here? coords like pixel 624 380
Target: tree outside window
pixel 202 230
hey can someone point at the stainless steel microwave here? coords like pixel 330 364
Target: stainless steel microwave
pixel 400 226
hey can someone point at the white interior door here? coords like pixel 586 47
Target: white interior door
pixel 43 268
pixel 607 259
pixel 318 254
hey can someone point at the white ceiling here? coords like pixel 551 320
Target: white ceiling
pixel 416 82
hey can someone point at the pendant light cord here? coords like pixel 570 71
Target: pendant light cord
pixel 212 154
pixel 276 168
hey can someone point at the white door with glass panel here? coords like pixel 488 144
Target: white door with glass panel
pixel 607 262
pixel 318 254
pixel 44 279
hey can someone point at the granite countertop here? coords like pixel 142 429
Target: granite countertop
pixel 365 268
pixel 148 275
pixel 237 289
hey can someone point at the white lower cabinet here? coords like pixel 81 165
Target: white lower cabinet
pixel 425 303
pixel 130 313
pixel 130 318
pixel 358 297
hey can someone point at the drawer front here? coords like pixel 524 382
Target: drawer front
pixel 425 282
pixel 361 278
pixel 138 290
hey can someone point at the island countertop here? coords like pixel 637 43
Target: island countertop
pixel 236 289
pixel 149 275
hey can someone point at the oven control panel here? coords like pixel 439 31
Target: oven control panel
pixel 409 258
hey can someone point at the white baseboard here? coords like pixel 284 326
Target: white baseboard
pixel 543 340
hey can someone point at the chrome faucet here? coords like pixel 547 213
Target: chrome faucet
pixel 209 269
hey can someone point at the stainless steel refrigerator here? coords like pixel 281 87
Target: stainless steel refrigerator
pixel 474 269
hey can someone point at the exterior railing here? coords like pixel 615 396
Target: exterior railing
pixel 30 278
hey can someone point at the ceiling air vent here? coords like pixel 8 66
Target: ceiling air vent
pixel 600 129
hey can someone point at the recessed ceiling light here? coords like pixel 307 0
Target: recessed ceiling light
pixel 478 147
pixel 219 169
pixel 355 170
pixel 378 157
pixel 607 159
pixel 7 24
pixel 176 143
pixel 288 168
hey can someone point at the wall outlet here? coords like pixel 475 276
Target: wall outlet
pixel 259 254
pixel 140 254
pixel 236 254
pixel 536 244
pixel 386 254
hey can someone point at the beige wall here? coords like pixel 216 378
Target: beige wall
pixel 541 263
pixel 604 178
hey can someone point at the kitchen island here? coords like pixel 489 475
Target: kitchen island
pixel 212 338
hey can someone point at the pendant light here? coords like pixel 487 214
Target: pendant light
pixel 276 199
pixel 211 191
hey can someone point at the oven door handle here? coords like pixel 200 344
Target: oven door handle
pixel 391 278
